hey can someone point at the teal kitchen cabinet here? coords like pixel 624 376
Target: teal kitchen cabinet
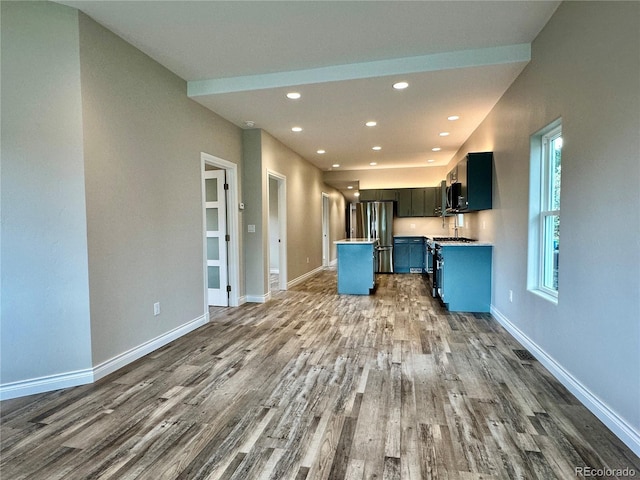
pixel 471 183
pixel 356 266
pixel 464 277
pixel 408 254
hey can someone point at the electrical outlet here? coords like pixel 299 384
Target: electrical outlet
pixel 484 224
pixel 156 309
pixel 307 259
pixel 511 296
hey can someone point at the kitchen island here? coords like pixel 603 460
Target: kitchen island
pixel 356 265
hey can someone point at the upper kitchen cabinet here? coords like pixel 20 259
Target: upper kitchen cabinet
pixel 431 201
pixel 441 200
pixel 379 195
pixel 388 195
pixel 404 203
pixel 368 195
pixel 470 184
pixel 410 202
pixel 417 202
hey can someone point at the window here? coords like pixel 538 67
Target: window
pixel 544 226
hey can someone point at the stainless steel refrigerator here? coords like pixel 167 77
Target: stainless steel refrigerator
pixel 375 220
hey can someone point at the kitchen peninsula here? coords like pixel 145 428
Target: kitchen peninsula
pixel 356 265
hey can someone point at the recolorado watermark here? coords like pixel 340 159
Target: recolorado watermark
pixel 604 472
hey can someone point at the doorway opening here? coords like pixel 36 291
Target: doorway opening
pixel 352 220
pixel 277 230
pixel 221 250
pixel 325 230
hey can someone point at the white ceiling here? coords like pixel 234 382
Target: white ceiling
pixel 241 58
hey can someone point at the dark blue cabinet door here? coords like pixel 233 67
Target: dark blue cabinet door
pixel 416 256
pixel 401 257
pixel 408 254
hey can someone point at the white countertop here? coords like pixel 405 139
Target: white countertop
pixel 464 244
pixel 356 241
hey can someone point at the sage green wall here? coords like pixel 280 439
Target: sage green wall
pixel 45 329
pixel 142 141
pixel 585 68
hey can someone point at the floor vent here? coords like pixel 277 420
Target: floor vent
pixel 524 355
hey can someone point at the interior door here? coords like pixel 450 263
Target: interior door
pixel 216 245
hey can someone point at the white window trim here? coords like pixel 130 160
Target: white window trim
pixel 540 197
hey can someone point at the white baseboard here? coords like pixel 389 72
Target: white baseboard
pixel 32 386
pixel 81 377
pixel 625 432
pixel 304 277
pixel 119 361
pixel 333 263
pixel 267 296
pixel 259 298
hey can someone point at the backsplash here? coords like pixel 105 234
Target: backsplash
pixel 436 227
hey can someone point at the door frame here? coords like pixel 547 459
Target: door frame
pixel 326 246
pixel 282 227
pixel 233 246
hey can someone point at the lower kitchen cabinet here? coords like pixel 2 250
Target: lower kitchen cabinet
pixel 356 266
pixel 408 254
pixel 464 277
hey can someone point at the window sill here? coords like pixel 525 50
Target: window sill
pixel 547 296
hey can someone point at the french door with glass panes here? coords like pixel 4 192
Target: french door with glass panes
pixel 216 245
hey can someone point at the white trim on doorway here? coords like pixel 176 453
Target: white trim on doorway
pixel 282 225
pixel 326 247
pixel 232 227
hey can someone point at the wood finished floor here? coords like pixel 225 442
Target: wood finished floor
pixel 312 385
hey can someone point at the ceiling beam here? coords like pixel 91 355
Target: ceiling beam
pixel 354 71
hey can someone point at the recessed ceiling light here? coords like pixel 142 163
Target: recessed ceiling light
pixel 444 134
pixel 373 164
pixel 293 95
pixel 431 160
pixel 357 194
pixel 400 85
pixel 453 117
pixel 335 165
pixel 249 123
pixel 376 148
pixel 320 152
pixel 371 124
pixel 350 187
pixel 296 129
pixel 436 149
